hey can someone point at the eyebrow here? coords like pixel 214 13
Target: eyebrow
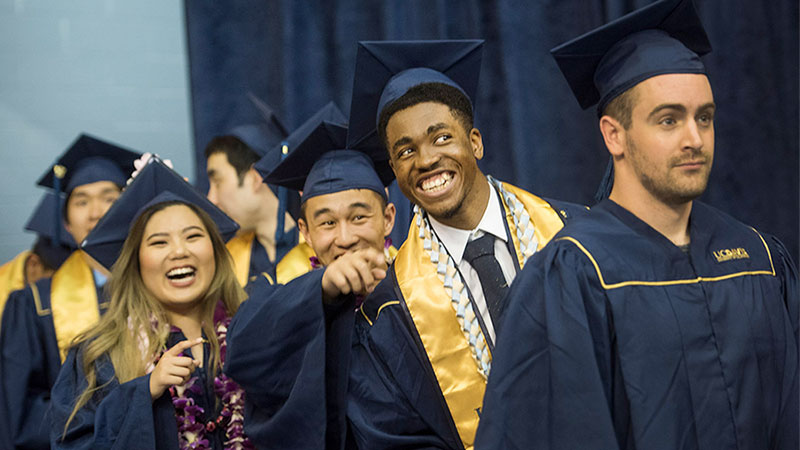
pixel 659 108
pixel 320 212
pixel 355 205
pixel 163 234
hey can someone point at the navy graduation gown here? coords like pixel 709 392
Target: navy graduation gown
pixel 289 352
pixel 123 416
pixel 622 341
pixel 393 398
pixel 29 366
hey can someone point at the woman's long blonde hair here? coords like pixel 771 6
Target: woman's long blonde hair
pixel 136 319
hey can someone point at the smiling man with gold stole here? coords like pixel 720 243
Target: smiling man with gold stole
pixel 264 212
pixel 654 321
pixel 423 340
pixel 40 321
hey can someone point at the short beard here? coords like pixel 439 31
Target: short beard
pixel 669 194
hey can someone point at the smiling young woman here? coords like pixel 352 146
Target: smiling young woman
pixel 149 373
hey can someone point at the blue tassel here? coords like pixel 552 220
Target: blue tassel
pixel 604 190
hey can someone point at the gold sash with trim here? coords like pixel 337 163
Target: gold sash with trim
pixel 240 247
pixel 295 263
pixel 73 300
pixel 12 277
pixel 448 351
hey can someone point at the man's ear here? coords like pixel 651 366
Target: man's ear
pixel 476 140
pixel 613 135
pixel 389 213
pixel 303 227
pixel 255 179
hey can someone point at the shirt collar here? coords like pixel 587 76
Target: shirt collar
pixel 455 239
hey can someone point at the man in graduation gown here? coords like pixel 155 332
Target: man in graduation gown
pixel 44 257
pixel 40 321
pixel 267 229
pixel 423 340
pixel 654 321
pixel 288 345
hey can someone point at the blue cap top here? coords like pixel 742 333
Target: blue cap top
pixel 319 162
pixel 264 135
pixel 46 223
pixel 156 183
pixel 54 244
pixel 661 38
pixel 386 70
pixel 88 160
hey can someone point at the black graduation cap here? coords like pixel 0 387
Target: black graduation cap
pixel 54 244
pixel 386 70
pixel 88 160
pixel 663 37
pixel 319 162
pixel 155 183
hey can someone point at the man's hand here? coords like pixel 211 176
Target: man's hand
pixel 357 273
pixel 172 368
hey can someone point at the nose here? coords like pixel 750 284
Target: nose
pixel 97 209
pixel 428 156
pixel 178 249
pixel 345 236
pixel 693 138
pixel 212 195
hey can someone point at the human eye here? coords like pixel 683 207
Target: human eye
pixel 442 138
pixel 157 243
pixel 705 119
pixel 667 121
pixel 405 152
pixel 194 236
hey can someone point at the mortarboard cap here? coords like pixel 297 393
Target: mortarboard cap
pixel 319 162
pixel 53 244
pixel 663 37
pixel 156 183
pixel 88 160
pixel 386 70
pixel 263 135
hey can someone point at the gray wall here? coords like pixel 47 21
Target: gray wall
pixel 116 69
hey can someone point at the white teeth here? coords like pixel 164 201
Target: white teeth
pixel 180 271
pixel 436 182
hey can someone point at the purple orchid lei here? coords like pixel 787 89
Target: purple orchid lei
pixel 191 429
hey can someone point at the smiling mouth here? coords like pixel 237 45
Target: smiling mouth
pixel 182 274
pixel 436 183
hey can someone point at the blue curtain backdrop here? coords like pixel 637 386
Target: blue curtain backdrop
pixel 298 55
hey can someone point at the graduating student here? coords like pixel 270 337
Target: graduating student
pixel 45 256
pixel 40 321
pixel 423 340
pixel 147 375
pixel 289 345
pixel 654 321
pixel 263 212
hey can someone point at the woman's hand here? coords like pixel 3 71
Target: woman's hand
pixel 172 368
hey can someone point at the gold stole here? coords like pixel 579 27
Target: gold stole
pixel 295 263
pixel 12 277
pixel 449 352
pixel 73 300
pixel 240 247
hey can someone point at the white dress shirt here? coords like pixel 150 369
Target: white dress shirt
pixel 455 241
